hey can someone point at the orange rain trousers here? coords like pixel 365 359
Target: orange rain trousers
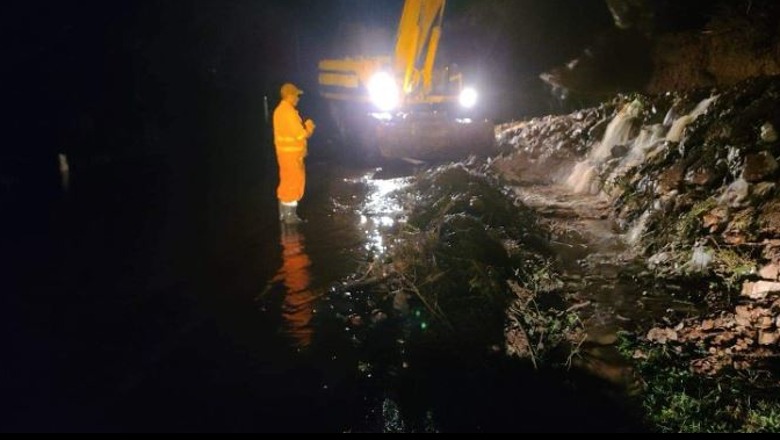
pixel 292 176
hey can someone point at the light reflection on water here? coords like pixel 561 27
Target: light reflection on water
pixel 381 211
pixel 370 208
pixel 299 298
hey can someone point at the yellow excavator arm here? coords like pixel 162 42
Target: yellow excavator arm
pixel 419 33
pixel 411 65
pixel 410 112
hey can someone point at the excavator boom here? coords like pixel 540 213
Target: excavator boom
pixel 416 100
pixel 417 43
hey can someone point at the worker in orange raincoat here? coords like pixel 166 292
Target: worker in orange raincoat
pixel 291 136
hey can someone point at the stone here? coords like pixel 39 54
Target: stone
pixel 735 238
pixel 736 194
pixel 759 290
pixel 768 338
pixel 671 179
pixel 770 272
pixel 758 167
pixel 764 190
pixel 743 312
pixel 662 335
pixel 700 177
pixel 768 133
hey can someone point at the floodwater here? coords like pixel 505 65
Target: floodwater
pixel 160 294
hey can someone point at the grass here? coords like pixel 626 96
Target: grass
pixel 676 400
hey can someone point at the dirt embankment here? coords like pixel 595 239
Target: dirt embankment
pixel 692 181
pixel 738 43
pixel 740 40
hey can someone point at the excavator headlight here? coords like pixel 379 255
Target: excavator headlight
pixel 468 98
pixel 384 92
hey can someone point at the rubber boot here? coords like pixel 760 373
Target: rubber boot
pixel 290 216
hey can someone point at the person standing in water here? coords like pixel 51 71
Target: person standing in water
pixel 291 135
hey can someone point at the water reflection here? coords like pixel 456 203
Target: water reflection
pixel 380 211
pixel 295 276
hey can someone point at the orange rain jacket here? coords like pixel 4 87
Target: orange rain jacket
pixel 290 139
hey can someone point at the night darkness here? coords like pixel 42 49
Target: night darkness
pixel 118 288
pixel 118 76
pixel 123 74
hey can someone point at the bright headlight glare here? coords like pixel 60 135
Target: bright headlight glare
pixel 468 98
pixel 384 92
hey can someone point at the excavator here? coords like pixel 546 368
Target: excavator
pixel 402 106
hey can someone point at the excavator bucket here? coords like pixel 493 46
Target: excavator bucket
pixel 435 137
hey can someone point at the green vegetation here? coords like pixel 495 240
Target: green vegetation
pixel 677 400
pixel 689 225
pixel 733 266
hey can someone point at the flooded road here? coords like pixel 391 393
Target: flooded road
pixel 604 278
pixel 165 296
pixel 162 294
pixel 143 305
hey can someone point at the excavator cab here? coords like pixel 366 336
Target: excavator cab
pixel 402 106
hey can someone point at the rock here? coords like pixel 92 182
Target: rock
pixel 671 179
pixel 662 335
pixel 743 312
pixel 769 219
pixel 640 355
pixel 760 290
pixel 712 223
pixel 701 260
pixel 700 177
pixel 736 194
pixel 763 190
pixel 724 338
pixel 735 238
pixel 768 133
pixel 765 323
pixel 619 151
pixel 768 338
pixel 716 219
pixel 771 252
pixel 770 272
pixel 743 321
pixel 707 325
pixel 517 344
pixel 659 259
pixel 759 167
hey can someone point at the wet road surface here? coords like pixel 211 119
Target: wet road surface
pixel 144 299
pixel 163 295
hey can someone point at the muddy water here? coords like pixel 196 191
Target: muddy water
pixel 161 294
pixel 604 278
pixel 160 297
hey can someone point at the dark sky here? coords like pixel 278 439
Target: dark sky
pixel 112 70
pixel 246 43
